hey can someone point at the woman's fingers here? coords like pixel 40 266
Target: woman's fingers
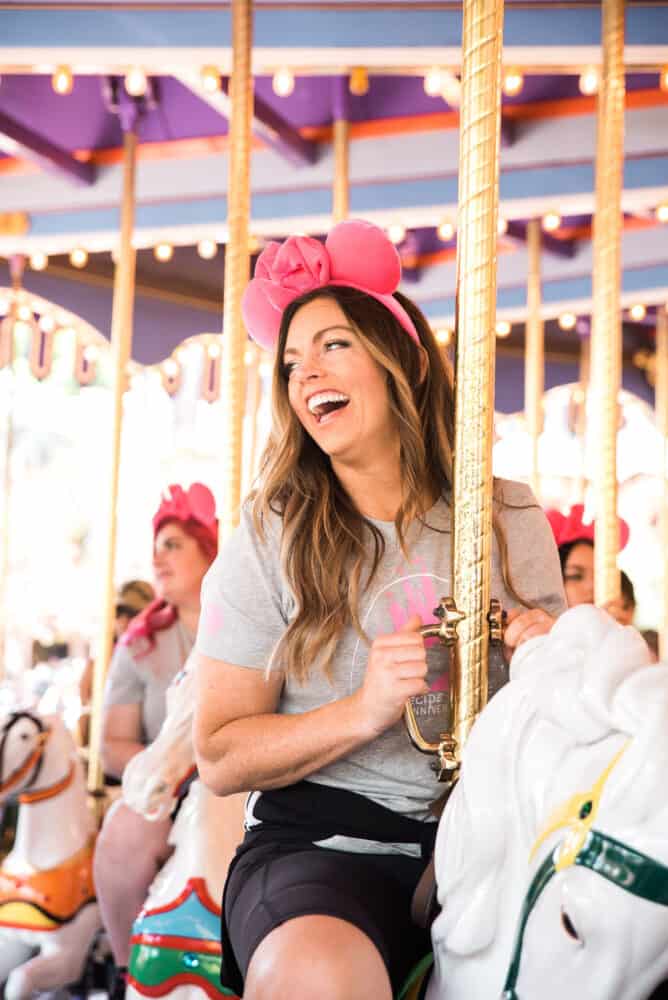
pixel 525 625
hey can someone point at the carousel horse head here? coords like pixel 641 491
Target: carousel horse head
pixel 152 780
pixel 48 911
pixel 552 855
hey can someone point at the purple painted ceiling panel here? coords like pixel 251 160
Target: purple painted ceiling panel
pixel 81 119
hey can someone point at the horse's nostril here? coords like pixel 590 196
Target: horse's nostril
pixel 569 927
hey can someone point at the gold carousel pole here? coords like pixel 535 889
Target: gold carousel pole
pixel 6 520
pixel 662 425
pixel 581 417
pixel 341 189
pixel 237 260
pixel 480 122
pixel 254 388
pixel 534 357
pixel 121 343
pixel 606 345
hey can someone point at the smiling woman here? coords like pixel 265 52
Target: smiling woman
pixel 341 556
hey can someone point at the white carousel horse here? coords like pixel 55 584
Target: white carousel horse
pixel 552 854
pixel 48 913
pixel 176 937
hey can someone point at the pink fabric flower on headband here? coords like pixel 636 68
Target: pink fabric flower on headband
pixel 570 527
pixel 178 505
pixel 356 254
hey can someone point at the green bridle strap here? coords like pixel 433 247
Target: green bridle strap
pixel 627 868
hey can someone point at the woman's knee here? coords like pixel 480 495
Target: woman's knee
pixel 127 838
pixel 317 956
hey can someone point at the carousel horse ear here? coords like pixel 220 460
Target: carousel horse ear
pixel 362 256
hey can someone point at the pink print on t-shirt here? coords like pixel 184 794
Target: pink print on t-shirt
pixel 416 595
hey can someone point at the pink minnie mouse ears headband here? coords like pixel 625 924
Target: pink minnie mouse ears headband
pixel 196 504
pixel 355 254
pixel 571 528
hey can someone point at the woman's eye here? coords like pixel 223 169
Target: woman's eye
pixel 334 344
pixel 573 578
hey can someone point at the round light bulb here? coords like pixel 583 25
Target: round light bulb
pixel 91 353
pixel 396 233
pixel 213 350
pixel 78 257
pixel 502 328
pixel 358 83
pixel 443 336
pixel 588 82
pixel 207 249
pixel 513 81
pixel 567 321
pixel 446 230
pixel 170 368
pixel 283 82
pixel 551 221
pixel 502 226
pixel 4 305
pixel 163 252
pixel 210 78
pixel 662 212
pixel 62 80
pixel 136 82
pixel 433 81
pixel 38 260
pixel 638 312
pixel 663 78
pixel 47 323
pixel 249 356
pixel 24 312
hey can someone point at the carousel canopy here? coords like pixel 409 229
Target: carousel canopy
pixel 74 75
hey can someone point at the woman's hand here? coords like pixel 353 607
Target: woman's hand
pixel 396 671
pixel 522 625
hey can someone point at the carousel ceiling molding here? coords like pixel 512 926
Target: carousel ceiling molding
pixel 379 35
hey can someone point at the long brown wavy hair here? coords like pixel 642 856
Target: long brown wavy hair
pixel 326 543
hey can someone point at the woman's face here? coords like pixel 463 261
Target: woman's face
pixel 178 564
pixel 579 575
pixel 336 389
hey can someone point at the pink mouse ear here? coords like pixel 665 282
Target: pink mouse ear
pixel 202 504
pixel 361 255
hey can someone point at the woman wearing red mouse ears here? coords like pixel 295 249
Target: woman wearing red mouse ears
pixel 130 849
pixel 309 644
pixel 575 541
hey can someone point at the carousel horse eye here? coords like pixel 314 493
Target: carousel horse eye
pixel 24 736
pixel 569 927
pixel 585 809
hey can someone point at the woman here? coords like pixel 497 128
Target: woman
pixel 309 641
pixel 575 543
pixel 130 849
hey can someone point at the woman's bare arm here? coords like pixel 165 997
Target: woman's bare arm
pixel 241 743
pixel 121 737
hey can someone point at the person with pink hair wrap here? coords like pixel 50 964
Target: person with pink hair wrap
pixel 156 645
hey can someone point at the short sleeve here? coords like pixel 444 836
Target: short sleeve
pixel 125 685
pixel 533 560
pixel 244 602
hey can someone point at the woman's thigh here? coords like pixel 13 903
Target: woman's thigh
pixel 370 894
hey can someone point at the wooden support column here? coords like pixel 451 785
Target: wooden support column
pixel 121 345
pixel 237 262
pixel 606 343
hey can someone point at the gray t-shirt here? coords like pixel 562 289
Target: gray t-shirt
pixel 246 605
pixel 136 679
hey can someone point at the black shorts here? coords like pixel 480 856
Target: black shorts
pixel 275 882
